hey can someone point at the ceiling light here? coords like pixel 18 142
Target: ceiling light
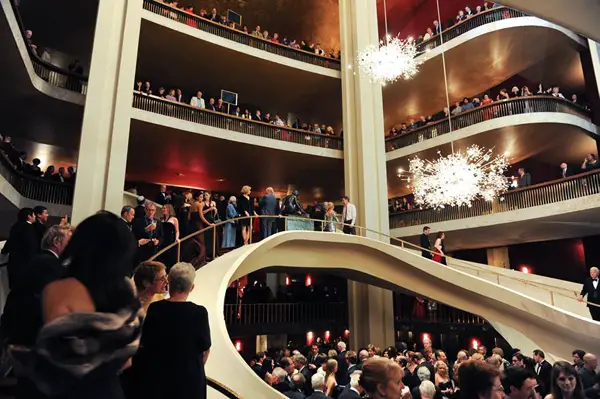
pixel 389 61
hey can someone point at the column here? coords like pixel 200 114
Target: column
pixel 106 118
pixel 590 63
pixel 498 257
pixel 371 314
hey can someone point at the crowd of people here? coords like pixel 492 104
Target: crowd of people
pixel 218 105
pixel 214 16
pixel 17 159
pixel 468 104
pixel 396 372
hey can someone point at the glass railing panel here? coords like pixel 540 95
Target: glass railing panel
pixel 232 123
pixel 237 36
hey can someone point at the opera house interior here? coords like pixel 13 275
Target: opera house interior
pixel 300 198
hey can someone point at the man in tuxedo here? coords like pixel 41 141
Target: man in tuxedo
pixel 22 244
pixel 302 367
pixel 258 366
pixel 149 233
pixel 279 381
pixel 313 355
pixel 127 215
pixel 353 390
pixel 163 197
pixel 341 375
pixel 297 389
pixel 565 171
pixel 268 203
pixel 290 368
pixel 590 288
pixel 352 359
pixel 524 178
pixel 425 243
pixel 519 383
pixel 543 369
pixel 317 382
pixel 41 220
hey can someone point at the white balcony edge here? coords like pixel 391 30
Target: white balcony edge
pixel 19 201
pixel 231 135
pixel 242 48
pixel 510 23
pixel 518 215
pixel 493 124
pixel 38 83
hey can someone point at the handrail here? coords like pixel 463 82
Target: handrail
pixel 581 185
pixel 361 231
pixel 235 35
pixel 33 187
pixel 233 123
pixel 222 389
pixel 52 74
pixel 248 314
pixel 484 113
pixel 477 20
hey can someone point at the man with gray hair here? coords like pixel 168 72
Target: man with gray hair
pixel 342 377
pixel 318 385
pixel 363 355
pixel 297 389
pixel 279 381
pixel 591 289
pixel 353 390
pixel 268 204
pixel 300 362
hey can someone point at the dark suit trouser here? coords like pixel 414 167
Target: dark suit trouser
pixel 595 312
pixel 267 226
pixel 348 229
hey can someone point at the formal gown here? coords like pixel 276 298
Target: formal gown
pixel 437 256
pixel 169 258
pixel 209 235
pixel 245 205
pixel 229 230
pixel 196 249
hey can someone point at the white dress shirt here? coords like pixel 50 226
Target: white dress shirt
pixel 595 283
pixel 350 213
pixel 198 102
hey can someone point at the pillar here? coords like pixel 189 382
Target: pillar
pixel 106 117
pixel 371 314
pixel 498 257
pixel 590 63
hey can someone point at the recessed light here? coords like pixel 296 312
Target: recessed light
pixel 220 180
pixel 180 174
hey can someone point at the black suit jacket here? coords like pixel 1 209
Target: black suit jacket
pixel 349 394
pixel 259 370
pixel 318 395
pixel 593 294
pixel 524 181
pixel 566 173
pixel 307 373
pixel 295 394
pixel 341 376
pixel 543 377
pixel 425 243
pixel 139 231
pixel 161 198
pixel 352 369
pixel 23 243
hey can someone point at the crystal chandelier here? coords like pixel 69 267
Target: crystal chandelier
pixel 389 61
pixel 459 178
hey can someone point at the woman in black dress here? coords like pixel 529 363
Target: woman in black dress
pixel 170 235
pixel 208 214
pixel 195 248
pixel 246 208
pixel 175 342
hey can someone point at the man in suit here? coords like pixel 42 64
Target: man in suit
pixel 313 355
pixel 41 220
pixel 301 364
pixel 60 177
pixel 258 366
pixel 524 179
pixel 22 244
pixel 341 375
pixel 140 209
pixel 590 288
pixel 353 390
pixel 352 359
pixel 297 389
pixel 127 215
pixel 279 381
pixel 543 369
pixel 565 171
pixel 163 197
pixel 425 243
pixel 147 228
pixel 317 382
pixel 588 372
pixel 268 203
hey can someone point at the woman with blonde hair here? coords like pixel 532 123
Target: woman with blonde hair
pixel 330 382
pixel 246 208
pixel 382 378
pixel 171 235
pixel 442 379
pixel 331 218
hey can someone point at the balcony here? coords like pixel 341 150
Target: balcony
pixel 557 209
pixel 237 36
pixel 496 110
pixel 239 127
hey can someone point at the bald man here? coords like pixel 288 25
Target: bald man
pixel 592 290
pixel 588 371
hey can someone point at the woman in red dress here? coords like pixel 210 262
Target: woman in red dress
pixel 438 247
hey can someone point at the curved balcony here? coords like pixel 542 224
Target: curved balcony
pixel 498 109
pixel 520 215
pixel 237 36
pixel 239 126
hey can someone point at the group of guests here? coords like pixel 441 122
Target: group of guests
pixel 18 161
pixel 72 323
pixel 218 105
pixel 468 104
pixel 214 16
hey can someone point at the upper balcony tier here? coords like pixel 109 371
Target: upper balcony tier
pixel 238 40
pixel 564 208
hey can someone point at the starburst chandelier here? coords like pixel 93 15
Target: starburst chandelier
pixel 459 178
pixel 390 60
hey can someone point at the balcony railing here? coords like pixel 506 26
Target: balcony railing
pixel 225 31
pixel 540 194
pixel 497 109
pixel 286 313
pixel 35 188
pixel 233 123
pixel 485 17
pixel 52 74
pixel 440 313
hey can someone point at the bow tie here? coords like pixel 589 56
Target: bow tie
pixel 594 279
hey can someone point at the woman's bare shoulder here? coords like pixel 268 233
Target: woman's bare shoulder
pixel 65 296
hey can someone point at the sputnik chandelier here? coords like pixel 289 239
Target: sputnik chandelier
pixel 390 60
pixel 459 178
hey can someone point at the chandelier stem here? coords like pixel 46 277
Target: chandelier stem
pixel 437 2
pixel 385 20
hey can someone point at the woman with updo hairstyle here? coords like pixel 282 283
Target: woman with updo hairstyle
pixel 382 378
